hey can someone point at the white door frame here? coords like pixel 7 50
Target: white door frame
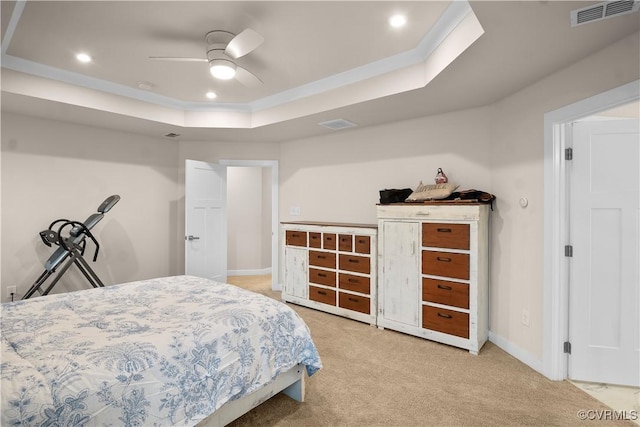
pixel 555 297
pixel 275 229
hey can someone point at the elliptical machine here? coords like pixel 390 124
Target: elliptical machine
pixel 71 239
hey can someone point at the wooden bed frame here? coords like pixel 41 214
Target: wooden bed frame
pixel 290 383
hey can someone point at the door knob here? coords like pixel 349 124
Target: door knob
pixel 191 238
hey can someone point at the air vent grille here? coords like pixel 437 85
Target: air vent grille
pixel 603 10
pixel 618 7
pixel 338 124
pixel 590 14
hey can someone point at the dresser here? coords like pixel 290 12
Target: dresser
pixel 433 271
pixel 331 267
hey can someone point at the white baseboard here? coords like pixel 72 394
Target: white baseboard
pixel 249 272
pixel 517 352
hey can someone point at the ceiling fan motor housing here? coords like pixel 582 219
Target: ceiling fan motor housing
pixel 219 36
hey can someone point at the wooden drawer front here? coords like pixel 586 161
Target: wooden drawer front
pixel 445 264
pixel 447 321
pixel 315 240
pixel 445 292
pixel 322 259
pixel 441 235
pixel 329 241
pixel 325 296
pixel 363 244
pixel 355 263
pixel 296 238
pixel 322 277
pixel 345 242
pixel 354 302
pixel 354 283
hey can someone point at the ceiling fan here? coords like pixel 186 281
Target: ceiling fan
pixel 223 48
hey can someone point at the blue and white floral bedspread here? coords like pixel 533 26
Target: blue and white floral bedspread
pixel 164 351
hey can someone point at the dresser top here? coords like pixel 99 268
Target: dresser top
pixel 471 202
pixel 331 224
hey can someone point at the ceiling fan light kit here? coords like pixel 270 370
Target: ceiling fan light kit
pixel 222 69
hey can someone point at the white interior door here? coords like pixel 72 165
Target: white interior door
pixel 604 295
pixel 206 220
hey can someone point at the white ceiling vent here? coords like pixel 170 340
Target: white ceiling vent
pixel 603 10
pixel 338 124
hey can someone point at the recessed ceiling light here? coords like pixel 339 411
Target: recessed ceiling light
pixel 397 21
pixel 211 95
pixel 83 57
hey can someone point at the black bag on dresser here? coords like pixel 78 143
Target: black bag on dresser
pixel 388 196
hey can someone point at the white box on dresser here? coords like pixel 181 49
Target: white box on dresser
pixel 331 267
pixel 433 263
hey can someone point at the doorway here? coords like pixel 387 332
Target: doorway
pixel 268 170
pixel 557 133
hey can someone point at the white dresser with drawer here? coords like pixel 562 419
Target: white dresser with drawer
pixel 331 267
pixel 433 271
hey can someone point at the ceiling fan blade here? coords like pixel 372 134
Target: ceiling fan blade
pixel 247 78
pixel 175 58
pixel 243 43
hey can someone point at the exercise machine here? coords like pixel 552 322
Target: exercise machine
pixel 71 239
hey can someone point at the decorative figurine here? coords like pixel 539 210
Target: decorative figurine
pixel 441 178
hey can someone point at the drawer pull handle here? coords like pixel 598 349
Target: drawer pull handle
pixel 446 316
pixel 322 275
pixel 324 293
pixel 353 280
pixel 444 230
pixel 329 238
pixel 322 257
pixel 354 299
pixel 444 287
pixel 354 260
pixel 443 259
pixel 361 242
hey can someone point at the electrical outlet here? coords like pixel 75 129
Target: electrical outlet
pixel 525 317
pixel 11 290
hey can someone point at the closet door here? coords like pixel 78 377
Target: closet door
pixel 400 274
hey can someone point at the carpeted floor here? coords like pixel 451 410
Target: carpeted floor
pixel 374 377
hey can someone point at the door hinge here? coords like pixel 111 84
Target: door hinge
pixel 568 153
pixel 568 251
pixel 567 347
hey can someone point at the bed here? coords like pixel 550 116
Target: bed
pixel 169 351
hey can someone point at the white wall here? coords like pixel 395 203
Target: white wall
pixel 54 170
pixel 338 177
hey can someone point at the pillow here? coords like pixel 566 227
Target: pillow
pixel 432 192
